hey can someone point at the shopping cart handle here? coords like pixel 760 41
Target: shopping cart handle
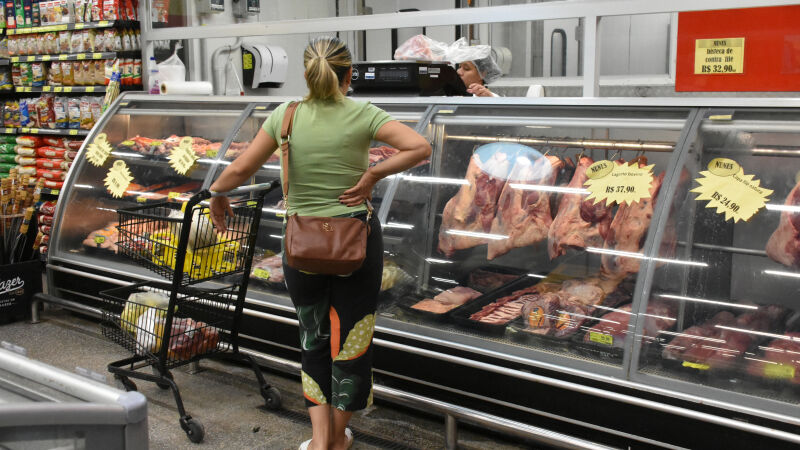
pixel 266 187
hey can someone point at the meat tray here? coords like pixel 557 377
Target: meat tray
pixel 516 331
pixel 597 350
pixel 405 303
pixel 461 315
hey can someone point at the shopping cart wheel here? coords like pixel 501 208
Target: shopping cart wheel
pixel 126 382
pixel 194 429
pixel 272 396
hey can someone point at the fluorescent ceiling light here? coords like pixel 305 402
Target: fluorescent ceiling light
pixel 705 300
pixel 792 209
pixel 781 273
pixel 494 237
pixel 760 333
pixel 436 180
pixel 403 226
pixel 533 187
pixel 438 261
pixel 445 280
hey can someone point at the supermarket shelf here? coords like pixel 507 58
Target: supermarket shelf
pixel 77 56
pixel 4 61
pixel 45 131
pixel 62 89
pixel 73 26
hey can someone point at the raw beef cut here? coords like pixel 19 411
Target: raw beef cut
pixel 473 208
pixel 524 215
pixel 628 231
pixel 508 308
pixel 696 336
pixel 486 280
pixel 784 244
pixel 660 316
pixel 447 300
pixel 578 223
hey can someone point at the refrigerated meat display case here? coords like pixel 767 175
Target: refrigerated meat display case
pixel 505 289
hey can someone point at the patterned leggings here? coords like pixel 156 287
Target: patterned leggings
pixel 337 320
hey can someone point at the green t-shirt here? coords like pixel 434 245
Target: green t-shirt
pixel 329 152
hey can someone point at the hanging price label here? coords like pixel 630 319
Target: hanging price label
pixel 118 179
pixel 97 152
pixel 618 183
pixel 182 158
pixel 261 273
pixel 730 191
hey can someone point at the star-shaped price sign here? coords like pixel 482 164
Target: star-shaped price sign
pixel 118 179
pixel 727 188
pixel 618 183
pixel 183 158
pixel 97 152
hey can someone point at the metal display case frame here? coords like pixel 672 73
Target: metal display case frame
pixel 621 385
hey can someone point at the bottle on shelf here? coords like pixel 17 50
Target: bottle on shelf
pixel 155 82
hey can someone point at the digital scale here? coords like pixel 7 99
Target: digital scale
pixel 422 78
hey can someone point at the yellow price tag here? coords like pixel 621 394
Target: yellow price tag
pixel 46 57
pixel 54 192
pixel 141 199
pixel 618 183
pixel 97 55
pixel 696 365
pixel 99 239
pixel 60 28
pixel 58 89
pixel 173 195
pixel 183 158
pixel 780 371
pixel 67 88
pixel 9 131
pixel 118 179
pixel 24 130
pixel 90 89
pixel 261 273
pixel 721 117
pixel 33 131
pixel 730 191
pixel 31 58
pixel 79 26
pixel 11 32
pixel 46 88
pixel 718 56
pixel 261 108
pixel 80 56
pixel 73 132
pixel 15 59
pixel 445 111
pixel 252 203
pixel 26 89
pixel 97 152
pixel 63 57
pixel 102 23
pixel 601 338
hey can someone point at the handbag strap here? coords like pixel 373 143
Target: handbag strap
pixel 286 132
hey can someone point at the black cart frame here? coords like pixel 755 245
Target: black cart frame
pixel 207 275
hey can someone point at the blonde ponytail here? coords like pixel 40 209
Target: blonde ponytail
pixel 327 61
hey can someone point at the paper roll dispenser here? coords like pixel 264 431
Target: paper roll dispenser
pixel 264 65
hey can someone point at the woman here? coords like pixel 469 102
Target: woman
pixel 475 74
pixel 330 177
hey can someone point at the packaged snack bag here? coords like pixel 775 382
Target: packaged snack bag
pixel 87 122
pixel 77 73
pixel 88 72
pixel 76 44
pixel 51 184
pixel 55 73
pixel 65 41
pixel 50 152
pixel 74 112
pixel 67 76
pixel 51 174
pixel 25 160
pixel 46 113
pixel 16 79
pixel 137 72
pixel 100 41
pixel 60 112
pixel 99 72
pixel 97 108
pixel 39 74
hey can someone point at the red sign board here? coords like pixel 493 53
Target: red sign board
pixel 738 50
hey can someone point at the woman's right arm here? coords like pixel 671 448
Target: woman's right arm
pixel 413 149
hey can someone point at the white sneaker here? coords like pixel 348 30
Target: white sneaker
pixel 304 445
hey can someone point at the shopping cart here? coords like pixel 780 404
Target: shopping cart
pixel 196 313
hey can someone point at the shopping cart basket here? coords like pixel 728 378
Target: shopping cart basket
pixel 196 313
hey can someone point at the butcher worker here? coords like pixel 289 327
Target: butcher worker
pixel 477 73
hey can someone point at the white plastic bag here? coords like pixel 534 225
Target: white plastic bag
pixel 422 47
pixel 172 69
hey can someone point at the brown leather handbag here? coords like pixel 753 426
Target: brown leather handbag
pixel 321 245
